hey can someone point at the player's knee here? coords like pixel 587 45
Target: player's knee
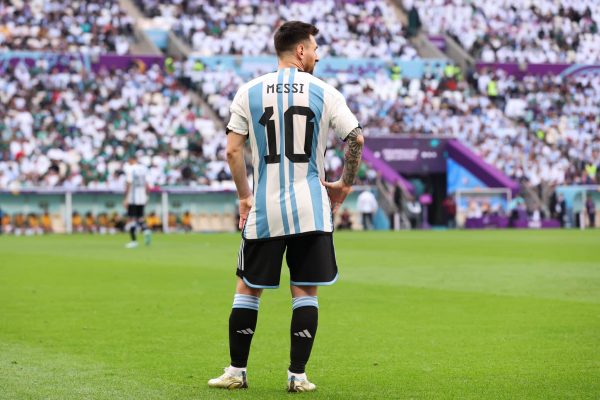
pixel 242 288
pixel 301 291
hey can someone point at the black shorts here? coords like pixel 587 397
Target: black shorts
pixel 135 211
pixel 310 259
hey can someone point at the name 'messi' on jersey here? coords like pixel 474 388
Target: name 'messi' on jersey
pixel 287 115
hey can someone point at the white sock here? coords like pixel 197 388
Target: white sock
pixel 301 377
pixel 235 371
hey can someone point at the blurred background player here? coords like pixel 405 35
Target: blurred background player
pixel 136 196
pixel 291 208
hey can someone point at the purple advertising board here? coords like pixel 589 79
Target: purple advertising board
pixel 410 155
pixel 520 70
pixel 112 61
pixel 67 60
pixel 51 60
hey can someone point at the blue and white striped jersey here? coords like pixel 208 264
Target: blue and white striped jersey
pixel 288 115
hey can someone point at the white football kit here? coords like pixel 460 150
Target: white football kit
pixel 136 178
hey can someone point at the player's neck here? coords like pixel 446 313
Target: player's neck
pixel 283 63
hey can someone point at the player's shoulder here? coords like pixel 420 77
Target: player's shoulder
pixel 328 90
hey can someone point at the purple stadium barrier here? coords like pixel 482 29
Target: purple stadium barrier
pixel 497 221
pixel 62 61
pixel 112 61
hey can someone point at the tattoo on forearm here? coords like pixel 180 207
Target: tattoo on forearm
pixel 352 157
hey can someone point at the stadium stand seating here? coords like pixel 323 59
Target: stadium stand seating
pixel 563 114
pixel 90 27
pixel 534 31
pixel 75 129
pixel 347 29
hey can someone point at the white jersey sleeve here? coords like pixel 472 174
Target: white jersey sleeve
pixel 239 117
pixel 341 119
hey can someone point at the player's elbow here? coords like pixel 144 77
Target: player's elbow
pixel 233 153
pixel 360 140
pixel 356 141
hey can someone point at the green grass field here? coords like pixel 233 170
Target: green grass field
pixel 426 315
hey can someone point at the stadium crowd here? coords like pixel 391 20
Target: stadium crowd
pixel 74 128
pixel 562 112
pixel 450 107
pixel 533 31
pixel 348 28
pixel 537 144
pixel 90 27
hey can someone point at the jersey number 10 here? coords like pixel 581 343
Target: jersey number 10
pixel 265 120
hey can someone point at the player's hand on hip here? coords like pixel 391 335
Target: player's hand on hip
pixel 337 192
pixel 245 206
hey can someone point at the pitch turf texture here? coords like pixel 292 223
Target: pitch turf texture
pixel 426 315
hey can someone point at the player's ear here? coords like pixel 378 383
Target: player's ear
pixel 300 49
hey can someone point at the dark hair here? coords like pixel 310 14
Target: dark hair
pixel 291 33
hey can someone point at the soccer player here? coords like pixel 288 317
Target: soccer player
pixel 286 115
pixel 136 196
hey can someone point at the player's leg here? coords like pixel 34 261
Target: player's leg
pixel 242 325
pixel 311 260
pixel 303 330
pixel 131 226
pixel 259 267
pixel 141 222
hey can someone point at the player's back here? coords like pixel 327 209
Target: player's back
pixel 288 114
pixel 136 178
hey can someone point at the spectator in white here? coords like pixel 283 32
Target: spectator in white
pixel 367 206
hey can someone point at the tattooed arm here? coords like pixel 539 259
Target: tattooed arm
pixel 340 189
pixel 353 155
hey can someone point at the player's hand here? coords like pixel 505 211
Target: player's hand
pixel 125 204
pixel 337 192
pixel 245 206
